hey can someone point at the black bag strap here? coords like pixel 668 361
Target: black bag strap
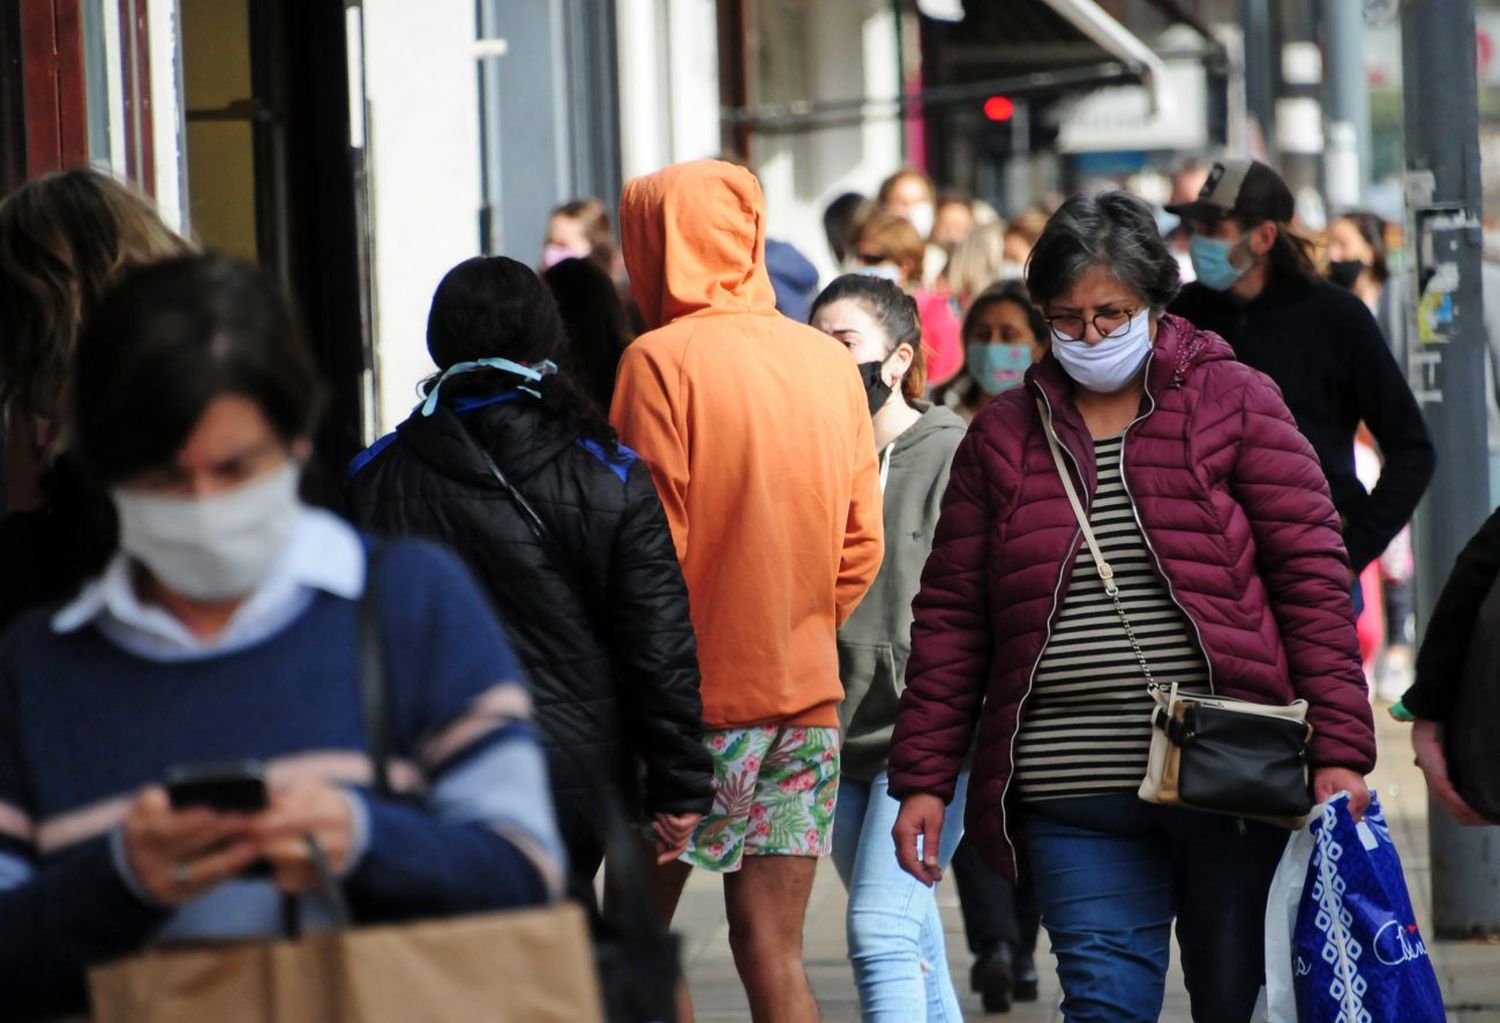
pixel 374 713
pixel 373 686
pixel 566 566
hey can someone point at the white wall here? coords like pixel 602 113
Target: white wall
pixel 669 82
pixel 801 49
pixel 421 80
pixel 807 54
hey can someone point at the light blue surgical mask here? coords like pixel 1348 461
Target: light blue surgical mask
pixel 534 374
pixel 1211 262
pixel 1108 366
pixel 997 368
pixel 885 271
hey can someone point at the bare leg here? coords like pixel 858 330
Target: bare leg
pixel 766 902
pixel 667 882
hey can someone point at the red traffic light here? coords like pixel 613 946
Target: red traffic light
pixel 999 108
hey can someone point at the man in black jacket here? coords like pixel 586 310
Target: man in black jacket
pixel 1257 287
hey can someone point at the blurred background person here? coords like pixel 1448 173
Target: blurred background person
pixel 224 627
pixel 1020 235
pixel 955 219
pixel 1004 335
pixel 910 194
pixel 1258 289
pixel 1357 259
pixel 1187 182
pixel 580 229
pixel 589 590
pixel 596 324
pixel 976 263
pixel 888 246
pixel 895 932
pixel 793 278
pixel 841 222
pixel 65 239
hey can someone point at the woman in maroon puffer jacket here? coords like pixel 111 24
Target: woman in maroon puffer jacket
pixel 1214 512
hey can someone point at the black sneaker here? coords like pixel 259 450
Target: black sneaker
pixel 1024 987
pixel 992 978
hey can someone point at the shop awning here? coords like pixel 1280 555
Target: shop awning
pixel 1016 48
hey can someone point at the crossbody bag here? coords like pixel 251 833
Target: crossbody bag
pixel 1208 752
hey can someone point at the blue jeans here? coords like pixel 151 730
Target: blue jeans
pixel 895 931
pixel 1112 871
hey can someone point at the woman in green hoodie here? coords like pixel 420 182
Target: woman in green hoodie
pixel 895 933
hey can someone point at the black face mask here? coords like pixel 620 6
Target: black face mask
pixel 876 389
pixel 1344 272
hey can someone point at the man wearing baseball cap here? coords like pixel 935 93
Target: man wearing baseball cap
pixel 1258 288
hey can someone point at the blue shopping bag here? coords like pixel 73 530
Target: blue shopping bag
pixel 1358 956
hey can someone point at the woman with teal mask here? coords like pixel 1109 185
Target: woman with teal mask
pixel 1003 335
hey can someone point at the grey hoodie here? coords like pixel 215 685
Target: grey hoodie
pixel 876 640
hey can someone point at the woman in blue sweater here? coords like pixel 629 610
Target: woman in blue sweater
pixel 225 629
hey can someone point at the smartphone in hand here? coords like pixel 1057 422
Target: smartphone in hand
pixel 237 786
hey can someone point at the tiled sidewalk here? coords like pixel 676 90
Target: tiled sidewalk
pixel 1470 972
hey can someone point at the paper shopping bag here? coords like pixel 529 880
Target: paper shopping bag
pixel 528 966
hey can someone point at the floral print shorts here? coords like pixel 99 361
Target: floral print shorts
pixel 775 788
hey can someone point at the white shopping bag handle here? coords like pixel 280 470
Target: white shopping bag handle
pixel 1278 1002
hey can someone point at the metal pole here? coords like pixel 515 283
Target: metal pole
pixel 1346 103
pixel 1446 365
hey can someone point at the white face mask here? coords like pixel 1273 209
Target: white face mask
pixel 211 548
pixel 1111 364
pixel 922 217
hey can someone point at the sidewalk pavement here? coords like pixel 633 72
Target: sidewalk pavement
pixel 1469 971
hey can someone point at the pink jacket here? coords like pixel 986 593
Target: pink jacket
pixel 1237 513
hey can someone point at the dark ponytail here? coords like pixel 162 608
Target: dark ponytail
pixel 896 312
pixel 495 307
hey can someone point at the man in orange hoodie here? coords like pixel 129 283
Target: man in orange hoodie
pixel 757 430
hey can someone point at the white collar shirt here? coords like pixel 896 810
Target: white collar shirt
pixel 324 554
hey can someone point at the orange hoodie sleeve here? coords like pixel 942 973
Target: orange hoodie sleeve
pixel 864 533
pixel 644 413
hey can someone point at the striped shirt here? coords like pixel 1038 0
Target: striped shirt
pixel 1086 726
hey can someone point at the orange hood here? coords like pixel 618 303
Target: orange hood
pixel 694 238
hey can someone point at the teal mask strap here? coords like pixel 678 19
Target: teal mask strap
pixel 535 374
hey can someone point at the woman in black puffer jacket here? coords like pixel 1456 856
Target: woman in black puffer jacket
pixel 590 590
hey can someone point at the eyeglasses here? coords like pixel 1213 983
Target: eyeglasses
pixel 872 258
pixel 1107 324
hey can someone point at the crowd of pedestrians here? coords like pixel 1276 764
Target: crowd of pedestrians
pixel 672 536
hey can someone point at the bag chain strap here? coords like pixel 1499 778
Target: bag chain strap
pixel 1106 573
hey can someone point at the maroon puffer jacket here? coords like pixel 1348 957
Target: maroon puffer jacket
pixel 1234 507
